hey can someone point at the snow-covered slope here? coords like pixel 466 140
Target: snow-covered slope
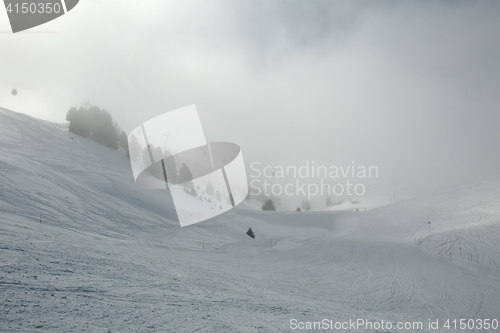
pixel 364 203
pixel 106 257
pixel 464 221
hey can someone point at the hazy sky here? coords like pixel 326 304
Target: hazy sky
pixel 410 86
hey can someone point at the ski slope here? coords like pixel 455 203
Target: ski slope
pixel 106 257
pixel 366 202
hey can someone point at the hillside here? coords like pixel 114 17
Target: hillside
pixel 106 257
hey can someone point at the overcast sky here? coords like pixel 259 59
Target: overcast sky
pixel 410 86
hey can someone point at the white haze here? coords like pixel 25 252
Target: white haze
pixel 411 87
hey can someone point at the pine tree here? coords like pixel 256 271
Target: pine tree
pixel 268 205
pixel 134 148
pixel 78 121
pixel 102 128
pixel 185 174
pixel 306 205
pixel 123 140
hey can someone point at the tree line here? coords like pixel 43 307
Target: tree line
pixel 98 125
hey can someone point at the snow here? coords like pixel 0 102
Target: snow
pixel 365 202
pixel 107 255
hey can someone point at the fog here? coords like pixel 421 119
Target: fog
pixel 411 87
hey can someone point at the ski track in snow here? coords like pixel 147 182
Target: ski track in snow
pixel 106 258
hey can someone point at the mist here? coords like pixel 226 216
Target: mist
pixel 410 87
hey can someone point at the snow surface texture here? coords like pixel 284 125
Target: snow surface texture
pixel 106 258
